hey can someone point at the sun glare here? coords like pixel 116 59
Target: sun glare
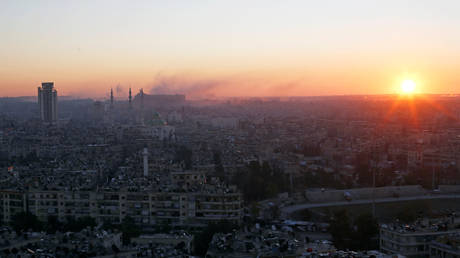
pixel 408 86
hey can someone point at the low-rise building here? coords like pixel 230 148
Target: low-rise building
pixel 445 246
pixel 414 240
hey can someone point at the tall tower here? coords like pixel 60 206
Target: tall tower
pixel 111 98
pixel 130 99
pixel 141 93
pixel 47 102
pixel 145 155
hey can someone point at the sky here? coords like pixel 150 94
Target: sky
pixel 229 48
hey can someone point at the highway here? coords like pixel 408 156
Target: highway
pixel 299 207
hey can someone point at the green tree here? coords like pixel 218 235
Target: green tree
pixel 359 235
pixel 260 182
pixel 53 224
pixel 76 225
pixel 407 215
pixel 184 154
pixel 366 228
pixel 203 238
pixel 129 230
pixel 218 167
pixel 340 229
pixel 23 221
pixel 275 212
pixel 254 210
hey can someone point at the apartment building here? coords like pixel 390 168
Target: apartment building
pixel 146 208
pixel 447 246
pixel 414 240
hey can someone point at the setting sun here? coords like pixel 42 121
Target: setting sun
pixel 408 86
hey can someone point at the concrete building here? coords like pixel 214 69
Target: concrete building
pixel 445 247
pixel 145 159
pixel 186 179
pixel 111 99
pixel 47 102
pixel 414 240
pixel 130 98
pixel 146 208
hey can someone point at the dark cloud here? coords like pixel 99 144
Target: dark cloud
pixel 235 85
pixel 192 87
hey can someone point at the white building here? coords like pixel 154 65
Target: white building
pixel 412 240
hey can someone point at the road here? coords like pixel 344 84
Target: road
pixel 299 207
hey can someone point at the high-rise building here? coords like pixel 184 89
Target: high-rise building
pixel 111 99
pixel 47 102
pixel 145 155
pixel 130 99
pixel 141 94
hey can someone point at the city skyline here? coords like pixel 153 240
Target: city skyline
pixel 229 49
pixel 229 128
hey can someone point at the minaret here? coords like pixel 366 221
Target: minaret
pixel 145 154
pixel 142 98
pixel 111 98
pixel 141 114
pixel 130 99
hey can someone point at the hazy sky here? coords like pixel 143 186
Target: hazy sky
pixel 229 48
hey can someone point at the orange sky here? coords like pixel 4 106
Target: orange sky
pixel 261 48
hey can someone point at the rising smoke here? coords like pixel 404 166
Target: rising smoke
pixel 192 87
pixel 119 90
pixel 236 85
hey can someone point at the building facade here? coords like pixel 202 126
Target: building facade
pixel 146 208
pixel 446 246
pixel 47 102
pixel 410 242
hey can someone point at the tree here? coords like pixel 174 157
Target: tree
pixel 359 235
pixel 340 229
pixel 129 230
pixel 407 215
pixel 180 246
pixel 366 228
pixel 275 212
pixel 23 221
pixel 203 239
pixel 53 224
pixel 76 225
pixel 363 170
pixel 165 227
pixel 260 182
pixel 115 249
pixel 218 167
pixel 184 154
pixel 254 210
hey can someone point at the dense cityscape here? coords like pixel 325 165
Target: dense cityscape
pixel 228 129
pixel 164 176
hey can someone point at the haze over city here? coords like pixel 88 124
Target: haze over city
pixel 229 48
pixel 227 129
